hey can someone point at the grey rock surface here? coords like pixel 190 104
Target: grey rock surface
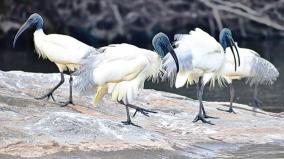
pixel 34 128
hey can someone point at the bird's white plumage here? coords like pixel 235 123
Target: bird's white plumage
pixel 122 68
pixel 246 56
pixel 253 67
pixel 64 51
pixel 198 53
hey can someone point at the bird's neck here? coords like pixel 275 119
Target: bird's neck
pixel 39 41
pixel 39 33
pixel 39 24
pixel 38 37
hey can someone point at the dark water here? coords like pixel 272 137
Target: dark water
pixel 272 96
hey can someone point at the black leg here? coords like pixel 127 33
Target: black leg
pixel 197 90
pixel 232 95
pixel 50 93
pixel 70 101
pixel 128 121
pixel 71 85
pixel 201 86
pixel 139 109
pixel 257 102
pixel 200 115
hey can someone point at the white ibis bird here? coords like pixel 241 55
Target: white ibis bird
pixel 254 69
pixel 121 69
pixel 65 51
pixel 198 53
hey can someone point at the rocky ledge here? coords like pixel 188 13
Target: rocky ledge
pixel 32 128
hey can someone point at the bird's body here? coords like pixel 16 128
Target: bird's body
pixel 192 54
pixel 65 51
pixel 119 68
pixel 198 54
pixel 254 69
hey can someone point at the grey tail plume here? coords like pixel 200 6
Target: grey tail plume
pixel 262 72
pixel 84 81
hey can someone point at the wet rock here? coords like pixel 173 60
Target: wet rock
pixel 33 128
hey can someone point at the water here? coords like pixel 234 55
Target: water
pixel 272 96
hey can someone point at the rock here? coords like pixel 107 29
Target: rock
pixel 34 128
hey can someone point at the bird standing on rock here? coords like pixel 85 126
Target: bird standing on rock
pixel 198 54
pixel 65 51
pixel 121 69
pixel 254 69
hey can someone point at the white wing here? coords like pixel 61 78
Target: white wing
pixel 246 58
pixel 61 49
pixel 122 67
pixel 253 67
pixel 198 41
pixel 195 51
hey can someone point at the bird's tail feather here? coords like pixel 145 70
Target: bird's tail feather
pixel 215 77
pixel 169 70
pixel 262 72
pixel 84 83
pixel 125 91
pixel 101 91
pixel 221 81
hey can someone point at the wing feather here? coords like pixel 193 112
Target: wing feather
pixel 64 49
pixel 114 65
pixel 191 50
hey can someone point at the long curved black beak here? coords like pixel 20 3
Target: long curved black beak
pixel 232 44
pixel 24 27
pixel 172 52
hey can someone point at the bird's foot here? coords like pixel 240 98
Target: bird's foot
pixel 143 111
pixel 202 118
pixel 230 110
pixel 257 102
pixel 48 95
pixel 63 104
pixel 129 122
pixel 207 116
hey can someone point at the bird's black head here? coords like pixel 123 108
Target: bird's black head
pixel 162 45
pixel 226 40
pixel 225 37
pixel 34 20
